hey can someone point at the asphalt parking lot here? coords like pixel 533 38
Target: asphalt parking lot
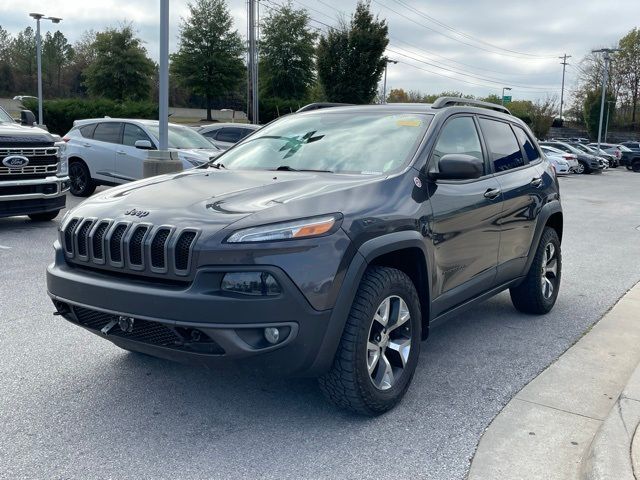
pixel 74 406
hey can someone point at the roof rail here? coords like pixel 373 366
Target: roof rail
pixel 319 105
pixel 443 102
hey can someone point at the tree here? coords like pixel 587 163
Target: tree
pixel 56 55
pixel 209 57
pixel 628 62
pixel 287 51
pixel 121 70
pixel 84 54
pixel 397 95
pixel 592 104
pixel 7 84
pixel 23 61
pixel 350 59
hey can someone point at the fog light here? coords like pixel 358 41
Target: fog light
pixel 251 283
pixel 125 324
pixel 272 334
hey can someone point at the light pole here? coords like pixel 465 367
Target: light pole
pixel 38 17
pixel 606 125
pixel 387 61
pixel 163 74
pixel 503 89
pixel 605 77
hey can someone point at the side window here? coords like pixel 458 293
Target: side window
pixel 503 146
pixel 107 132
pixel 212 134
pixel 230 134
pixel 527 145
pixel 245 132
pixel 87 130
pixel 132 133
pixel 459 135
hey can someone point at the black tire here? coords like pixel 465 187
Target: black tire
pixel 348 383
pixel 82 185
pixel 44 217
pixel 635 166
pixel 530 296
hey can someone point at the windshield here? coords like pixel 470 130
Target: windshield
pixel 361 143
pixel 5 117
pixel 182 137
pixel 584 148
pixel 622 148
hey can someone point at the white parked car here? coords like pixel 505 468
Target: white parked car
pixel 226 135
pixel 558 155
pixel 111 151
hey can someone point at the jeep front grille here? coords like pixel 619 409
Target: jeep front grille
pixel 126 246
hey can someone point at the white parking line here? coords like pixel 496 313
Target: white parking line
pixel 2 247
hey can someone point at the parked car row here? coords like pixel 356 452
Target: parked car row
pixel 625 154
pixel 584 162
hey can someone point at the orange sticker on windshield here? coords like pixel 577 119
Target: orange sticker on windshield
pixel 409 123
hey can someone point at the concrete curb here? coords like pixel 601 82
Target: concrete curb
pixel 547 430
pixel 615 450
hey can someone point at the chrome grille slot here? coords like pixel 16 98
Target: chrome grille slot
pixel 97 241
pixel 183 249
pixel 42 161
pixel 82 237
pixel 68 235
pixel 136 245
pixel 158 248
pixel 115 243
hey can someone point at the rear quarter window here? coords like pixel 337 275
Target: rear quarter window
pixel 87 130
pixel 527 144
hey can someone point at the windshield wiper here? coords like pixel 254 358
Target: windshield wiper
pixel 218 166
pixel 287 168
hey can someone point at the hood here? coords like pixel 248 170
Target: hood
pixel 11 133
pixel 212 198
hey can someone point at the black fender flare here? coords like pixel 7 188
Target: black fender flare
pixel 547 210
pixel 367 252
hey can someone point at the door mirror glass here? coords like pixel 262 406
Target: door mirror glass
pixel 143 144
pixel 458 166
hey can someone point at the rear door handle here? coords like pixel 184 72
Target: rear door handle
pixel 492 193
pixel 536 182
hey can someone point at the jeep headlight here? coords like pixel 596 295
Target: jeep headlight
pixel 304 228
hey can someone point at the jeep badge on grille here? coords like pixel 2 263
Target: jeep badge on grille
pixel 15 161
pixel 137 213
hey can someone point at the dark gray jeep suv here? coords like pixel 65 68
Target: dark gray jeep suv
pixel 325 244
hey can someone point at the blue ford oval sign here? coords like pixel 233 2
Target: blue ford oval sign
pixel 15 161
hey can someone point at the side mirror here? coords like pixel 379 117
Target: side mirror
pixel 27 118
pixel 458 166
pixel 143 145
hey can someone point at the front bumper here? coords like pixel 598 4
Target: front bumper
pixel 24 197
pixel 228 327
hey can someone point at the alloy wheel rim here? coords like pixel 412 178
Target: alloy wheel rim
pixel 580 168
pixel 77 177
pixel 389 342
pixel 549 271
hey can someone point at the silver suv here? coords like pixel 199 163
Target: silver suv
pixel 111 151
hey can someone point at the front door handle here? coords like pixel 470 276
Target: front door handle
pixel 120 152
pixel 86 145
pixel 536 182
pixel 492 193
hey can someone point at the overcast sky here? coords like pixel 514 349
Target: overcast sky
pixel 476 47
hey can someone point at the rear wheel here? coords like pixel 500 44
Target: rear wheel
pixel 538 292
pixel 81 183
pixel 44 217
pixel 380 345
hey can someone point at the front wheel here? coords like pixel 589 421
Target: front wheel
pixel 380 345
pixel 581 168
pixel 538 292
pixel 80 179
pixel 44 217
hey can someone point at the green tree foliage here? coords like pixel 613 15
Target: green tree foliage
pixel 6 72
pixel 23 62
pixel 209 58
pixel 56 55
pixel 592 104
pixel 350 59
pixel 84 54
pixel 121 69
pixel 397 95
pixel 287 51
pixel 628 60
